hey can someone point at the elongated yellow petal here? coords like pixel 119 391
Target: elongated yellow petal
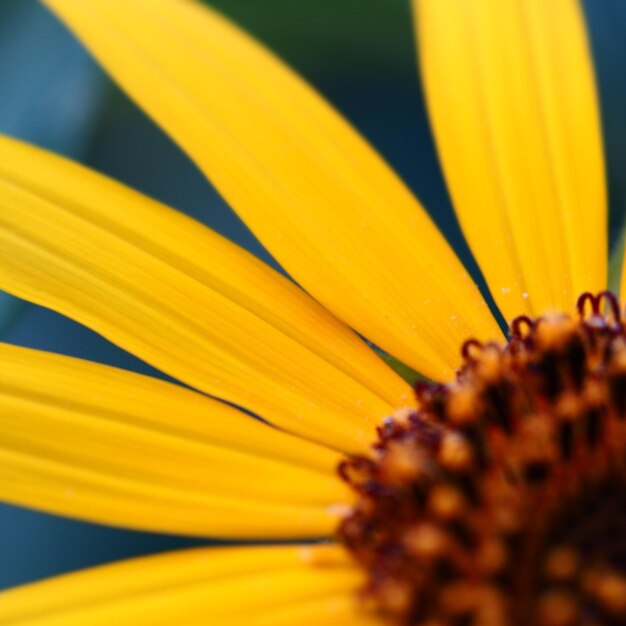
pixel 512 102
pixel 622 279
pixel 336 610
pixel 311 189
pixel 102 444
pixel 156 404
pixel 186 587
pixel 185 300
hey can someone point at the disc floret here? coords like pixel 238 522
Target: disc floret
pixel 501 501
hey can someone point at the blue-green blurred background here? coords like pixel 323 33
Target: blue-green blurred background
pixel 359 53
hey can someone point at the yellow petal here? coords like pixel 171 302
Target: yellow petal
pixel 622 280
pixel 512 102
pixel 97 443
pixel 186 300
pixel 337 610
pixel 317 196
pixel 186 587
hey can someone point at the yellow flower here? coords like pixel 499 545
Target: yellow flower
pixel 512 102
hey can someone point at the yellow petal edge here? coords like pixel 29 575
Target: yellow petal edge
pixel 97 443
pixel 512 103
pixel 185 300
pixel 315 194
pixel 253 585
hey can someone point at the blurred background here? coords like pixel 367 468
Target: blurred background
pixel 358 53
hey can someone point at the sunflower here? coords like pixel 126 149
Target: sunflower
pixel 493 499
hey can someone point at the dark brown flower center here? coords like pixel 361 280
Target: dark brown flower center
pixel 501 501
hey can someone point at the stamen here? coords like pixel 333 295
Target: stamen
pixel 501 501
pixel 469 347
pixel 518 323
pixel 582 302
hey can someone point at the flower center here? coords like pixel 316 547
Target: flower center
pixel 501 501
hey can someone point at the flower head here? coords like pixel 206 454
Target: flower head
pixel 492 499
pixel 466 510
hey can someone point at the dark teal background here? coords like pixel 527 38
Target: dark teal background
pixel 359 53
